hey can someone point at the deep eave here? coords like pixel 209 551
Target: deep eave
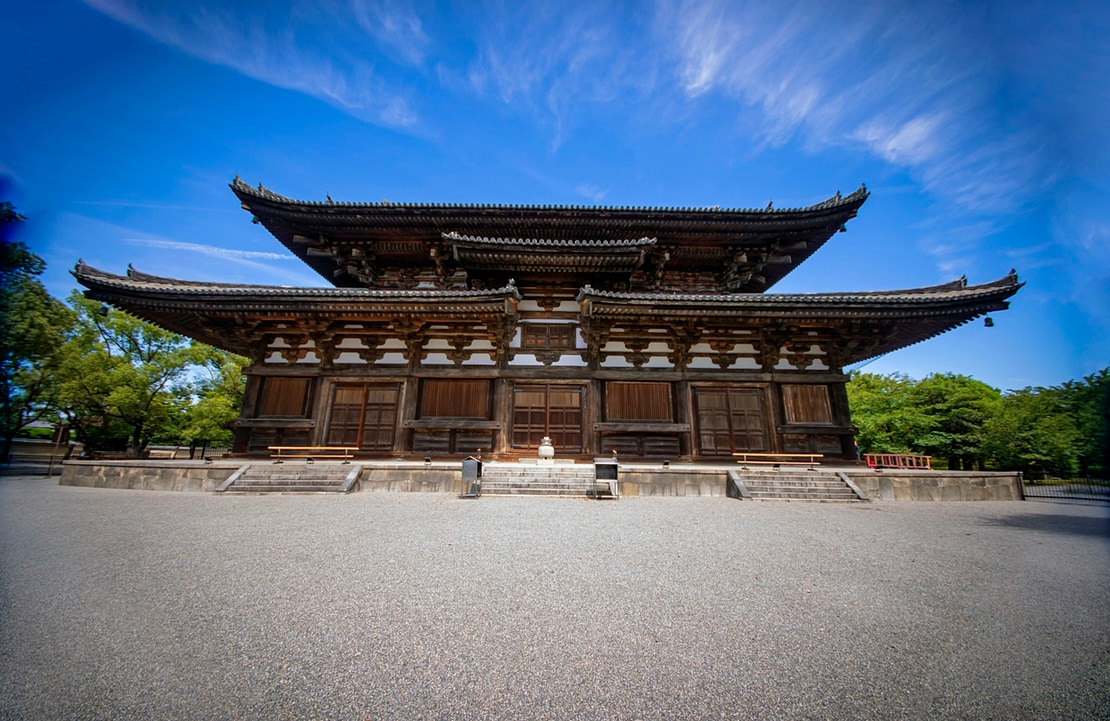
pixel 885 320
pixel 756 247
pixel 871 323
pixel 220 314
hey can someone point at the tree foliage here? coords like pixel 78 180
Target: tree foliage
pixel 1031 432
pixel 957 407
pixel 125 382
pixel 33 330
pixel 119 382
pixel 887 421
pixel 1058 431
pixel 218 390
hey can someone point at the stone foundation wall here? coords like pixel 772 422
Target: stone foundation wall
pixel 887 485
pixel 663 482
pixel 895 485
pixel 147 475
pixel 438 478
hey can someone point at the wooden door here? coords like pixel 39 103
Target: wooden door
pixel 547 409
pixel 363 415
pixel 729 420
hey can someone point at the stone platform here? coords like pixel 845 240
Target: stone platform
pixel 636 479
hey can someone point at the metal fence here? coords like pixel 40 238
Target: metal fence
pixel 39 462
pixel 32 465
pixel 1079 489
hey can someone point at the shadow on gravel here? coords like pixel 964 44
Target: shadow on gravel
pixel 1055 523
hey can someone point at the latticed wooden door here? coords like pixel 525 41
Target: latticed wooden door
pixel 729 420
pixel 363 415
pixel 547 410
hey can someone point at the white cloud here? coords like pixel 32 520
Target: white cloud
pixel 214 251
pixel 267 46
pixel 914 142
pixel 591 191
pixel 394 25
pixel 908 84
pixel 555 63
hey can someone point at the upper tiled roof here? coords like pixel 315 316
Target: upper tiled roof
pixel 351 244
pixel 546 244
pixel 153 285
pixel 242 188
pixel 957 290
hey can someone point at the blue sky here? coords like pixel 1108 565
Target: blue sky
pixel 980 129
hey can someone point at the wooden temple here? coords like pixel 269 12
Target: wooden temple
pixel 446 329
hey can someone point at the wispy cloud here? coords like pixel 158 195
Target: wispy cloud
pixel 591 191
pixel 260 267
pixel 153 206
pixel 393 25
pixel 913 142
pixel 269 46
pixel 555 62
pixel 214 251
pixel 905 84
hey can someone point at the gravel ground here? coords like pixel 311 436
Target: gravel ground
pixel 149 605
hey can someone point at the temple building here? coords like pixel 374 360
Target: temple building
pixel 445 329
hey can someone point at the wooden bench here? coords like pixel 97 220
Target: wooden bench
pixel 779 459
pixel 311 453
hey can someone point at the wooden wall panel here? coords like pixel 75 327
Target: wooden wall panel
pixel 455 399
pixel 284 397
pixel 626 401
pixel 806 403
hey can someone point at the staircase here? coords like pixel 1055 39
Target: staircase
pixel 524 479
pixel 795 486
pixel 292 478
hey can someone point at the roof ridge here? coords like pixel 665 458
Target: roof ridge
pixel 1008 283
pixel 452 235
pixel 238 185
pixel 134 279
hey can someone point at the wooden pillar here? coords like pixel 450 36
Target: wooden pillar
pixel 241 438
pixel 684 414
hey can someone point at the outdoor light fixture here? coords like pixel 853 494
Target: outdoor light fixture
pixel 427 460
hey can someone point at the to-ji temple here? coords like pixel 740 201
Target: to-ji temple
pixel 444 329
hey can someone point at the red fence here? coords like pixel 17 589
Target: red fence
pixel 898 460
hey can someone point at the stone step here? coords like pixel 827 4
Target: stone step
pixel 293 478
pixel 261 483
pixel 295 472
pixel 767 490
pixel 578 490
pixel 803 493
pixel 555 493
pixel 263 490
pixel 772 486
pixel 278 479
pixel 533 472
pixel 537 484
pixel 532 480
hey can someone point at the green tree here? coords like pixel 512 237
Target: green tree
pixel 125 382
pixel 883 411
pixel 958 407
pixel 1088 402
pixel 218 389
pixel 1032 432
pixel 33 330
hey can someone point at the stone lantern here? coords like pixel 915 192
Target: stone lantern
pixel 546 452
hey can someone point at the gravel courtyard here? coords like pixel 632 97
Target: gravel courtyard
pixel 152 605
